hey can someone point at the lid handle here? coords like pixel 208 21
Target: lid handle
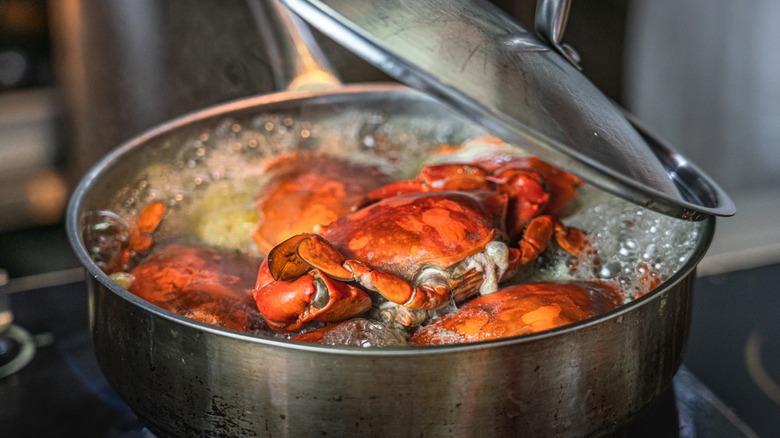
pixel 296 59
pixel 550 23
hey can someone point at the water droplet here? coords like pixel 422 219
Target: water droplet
pixel 610 270
pixel 628 247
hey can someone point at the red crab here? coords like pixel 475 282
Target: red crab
pixel 205 284
pixel 412 246
pixel 306 191
pixel 419 250
pixel 534 187
pixel 519 310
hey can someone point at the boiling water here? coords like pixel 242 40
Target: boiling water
pixel 632 246
pixel 210 179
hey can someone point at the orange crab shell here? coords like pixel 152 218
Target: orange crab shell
pixel 205 284
pixel 500 158
pixel 403 234
pixel 561 186
pixel 307 191
pixel 519 310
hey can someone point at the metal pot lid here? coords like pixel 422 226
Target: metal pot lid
pixel 475 58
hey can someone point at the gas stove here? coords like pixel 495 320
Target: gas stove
pixel 55 387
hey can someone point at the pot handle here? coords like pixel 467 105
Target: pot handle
pixel 296 59
pixel 550 23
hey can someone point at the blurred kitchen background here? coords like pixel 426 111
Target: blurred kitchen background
pixel 79 77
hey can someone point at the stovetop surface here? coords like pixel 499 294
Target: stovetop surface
pixel 62 392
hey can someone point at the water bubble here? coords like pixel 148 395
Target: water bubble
pixel 630 244
pixel 105 236
pixel 649 251
pixel 365 333
pixel 610 270
pixel 628 247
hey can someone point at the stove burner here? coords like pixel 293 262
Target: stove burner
pixel 755 363
pixel 17 348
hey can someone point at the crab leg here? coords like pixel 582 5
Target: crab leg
pixel 540 231
pixel 437 177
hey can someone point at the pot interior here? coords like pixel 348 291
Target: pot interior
pixel 208 166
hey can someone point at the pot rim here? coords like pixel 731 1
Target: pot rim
pixel 73 231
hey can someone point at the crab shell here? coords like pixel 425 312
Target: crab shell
pixel 499 158
pixel 306 191
pixel 419 250
pixel 206 284
pixel 519 310
pixel 405 235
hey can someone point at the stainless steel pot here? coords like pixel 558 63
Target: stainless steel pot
pixel 185 378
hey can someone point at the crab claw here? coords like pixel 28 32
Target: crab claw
pixel 572 240
pixel 527 197
pixel 300 253
pixel 561 185
pixel 148 220
pixel 541 229
pixel 290 305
